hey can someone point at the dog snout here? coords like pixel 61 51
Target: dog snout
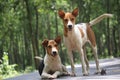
pixel 54 53
pixel 70 26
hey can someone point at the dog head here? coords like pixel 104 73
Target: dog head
pixel 68 18
pixel 51 46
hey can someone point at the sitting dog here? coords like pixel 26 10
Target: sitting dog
pixel 51 66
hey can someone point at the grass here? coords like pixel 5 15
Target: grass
pixel 9 70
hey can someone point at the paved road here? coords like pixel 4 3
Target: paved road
pixel 112 67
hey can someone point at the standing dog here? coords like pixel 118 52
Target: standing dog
pixel 51 65
pixel 76 36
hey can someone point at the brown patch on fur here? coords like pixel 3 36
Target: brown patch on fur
pixel 65 31
pixel 91 35
pixel 58 40
pixel 75 12
pixel 45 42
pixel 81 31
pixel 61 14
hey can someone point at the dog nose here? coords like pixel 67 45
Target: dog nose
pixel 70 26
pixel 54 52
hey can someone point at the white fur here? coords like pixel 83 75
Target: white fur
pixel 69 23
pixel 54 49
pixel 98 19
pixel 74 39
pixel 52 63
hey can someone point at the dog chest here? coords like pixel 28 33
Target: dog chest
pixel 53 64
pixel 70 42
pixel 76 38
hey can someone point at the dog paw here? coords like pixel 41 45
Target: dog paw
pixel 66 74
pixel 72 74
pixel 103 72
pixel 97 73
pixel 54 76
pixel 85 74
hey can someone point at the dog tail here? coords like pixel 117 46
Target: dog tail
pixel 98 19
pixel 41 64
pixel 38 58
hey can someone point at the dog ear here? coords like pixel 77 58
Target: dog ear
pixel 45 43
pixel 61 14
pixel 75 12
pixel 58 40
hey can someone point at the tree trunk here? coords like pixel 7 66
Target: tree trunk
pixel 36 37
pixel 11 53
pixel 115 43
pixel 56 23
pixel 118 25
pixel 49 29
pixel 16 51
pixel 28 53
pixel 31 32
pixel 108 31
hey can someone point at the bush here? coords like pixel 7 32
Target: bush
pixel 7 70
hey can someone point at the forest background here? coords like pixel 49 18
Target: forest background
pixel 24 24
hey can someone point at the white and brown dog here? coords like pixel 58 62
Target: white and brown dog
pixel 77 35
pixel 51 67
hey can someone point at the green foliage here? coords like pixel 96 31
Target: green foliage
pixel 7 70
pixel 28 69
pixel 22 32
pixel 1 77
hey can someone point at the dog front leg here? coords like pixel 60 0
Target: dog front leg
pixel 71 62
pixel 60 73
pixel 46 76
pixel 85 73
pixel 57 73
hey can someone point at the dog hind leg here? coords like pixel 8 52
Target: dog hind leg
pixel 92 41
pixel 86 59
pixel 94 48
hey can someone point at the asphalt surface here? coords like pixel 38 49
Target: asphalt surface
pixel 112 67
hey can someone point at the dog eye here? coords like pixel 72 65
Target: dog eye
pixel 56 45
pixel 65 20
pixel 49 46
pixel 72 19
